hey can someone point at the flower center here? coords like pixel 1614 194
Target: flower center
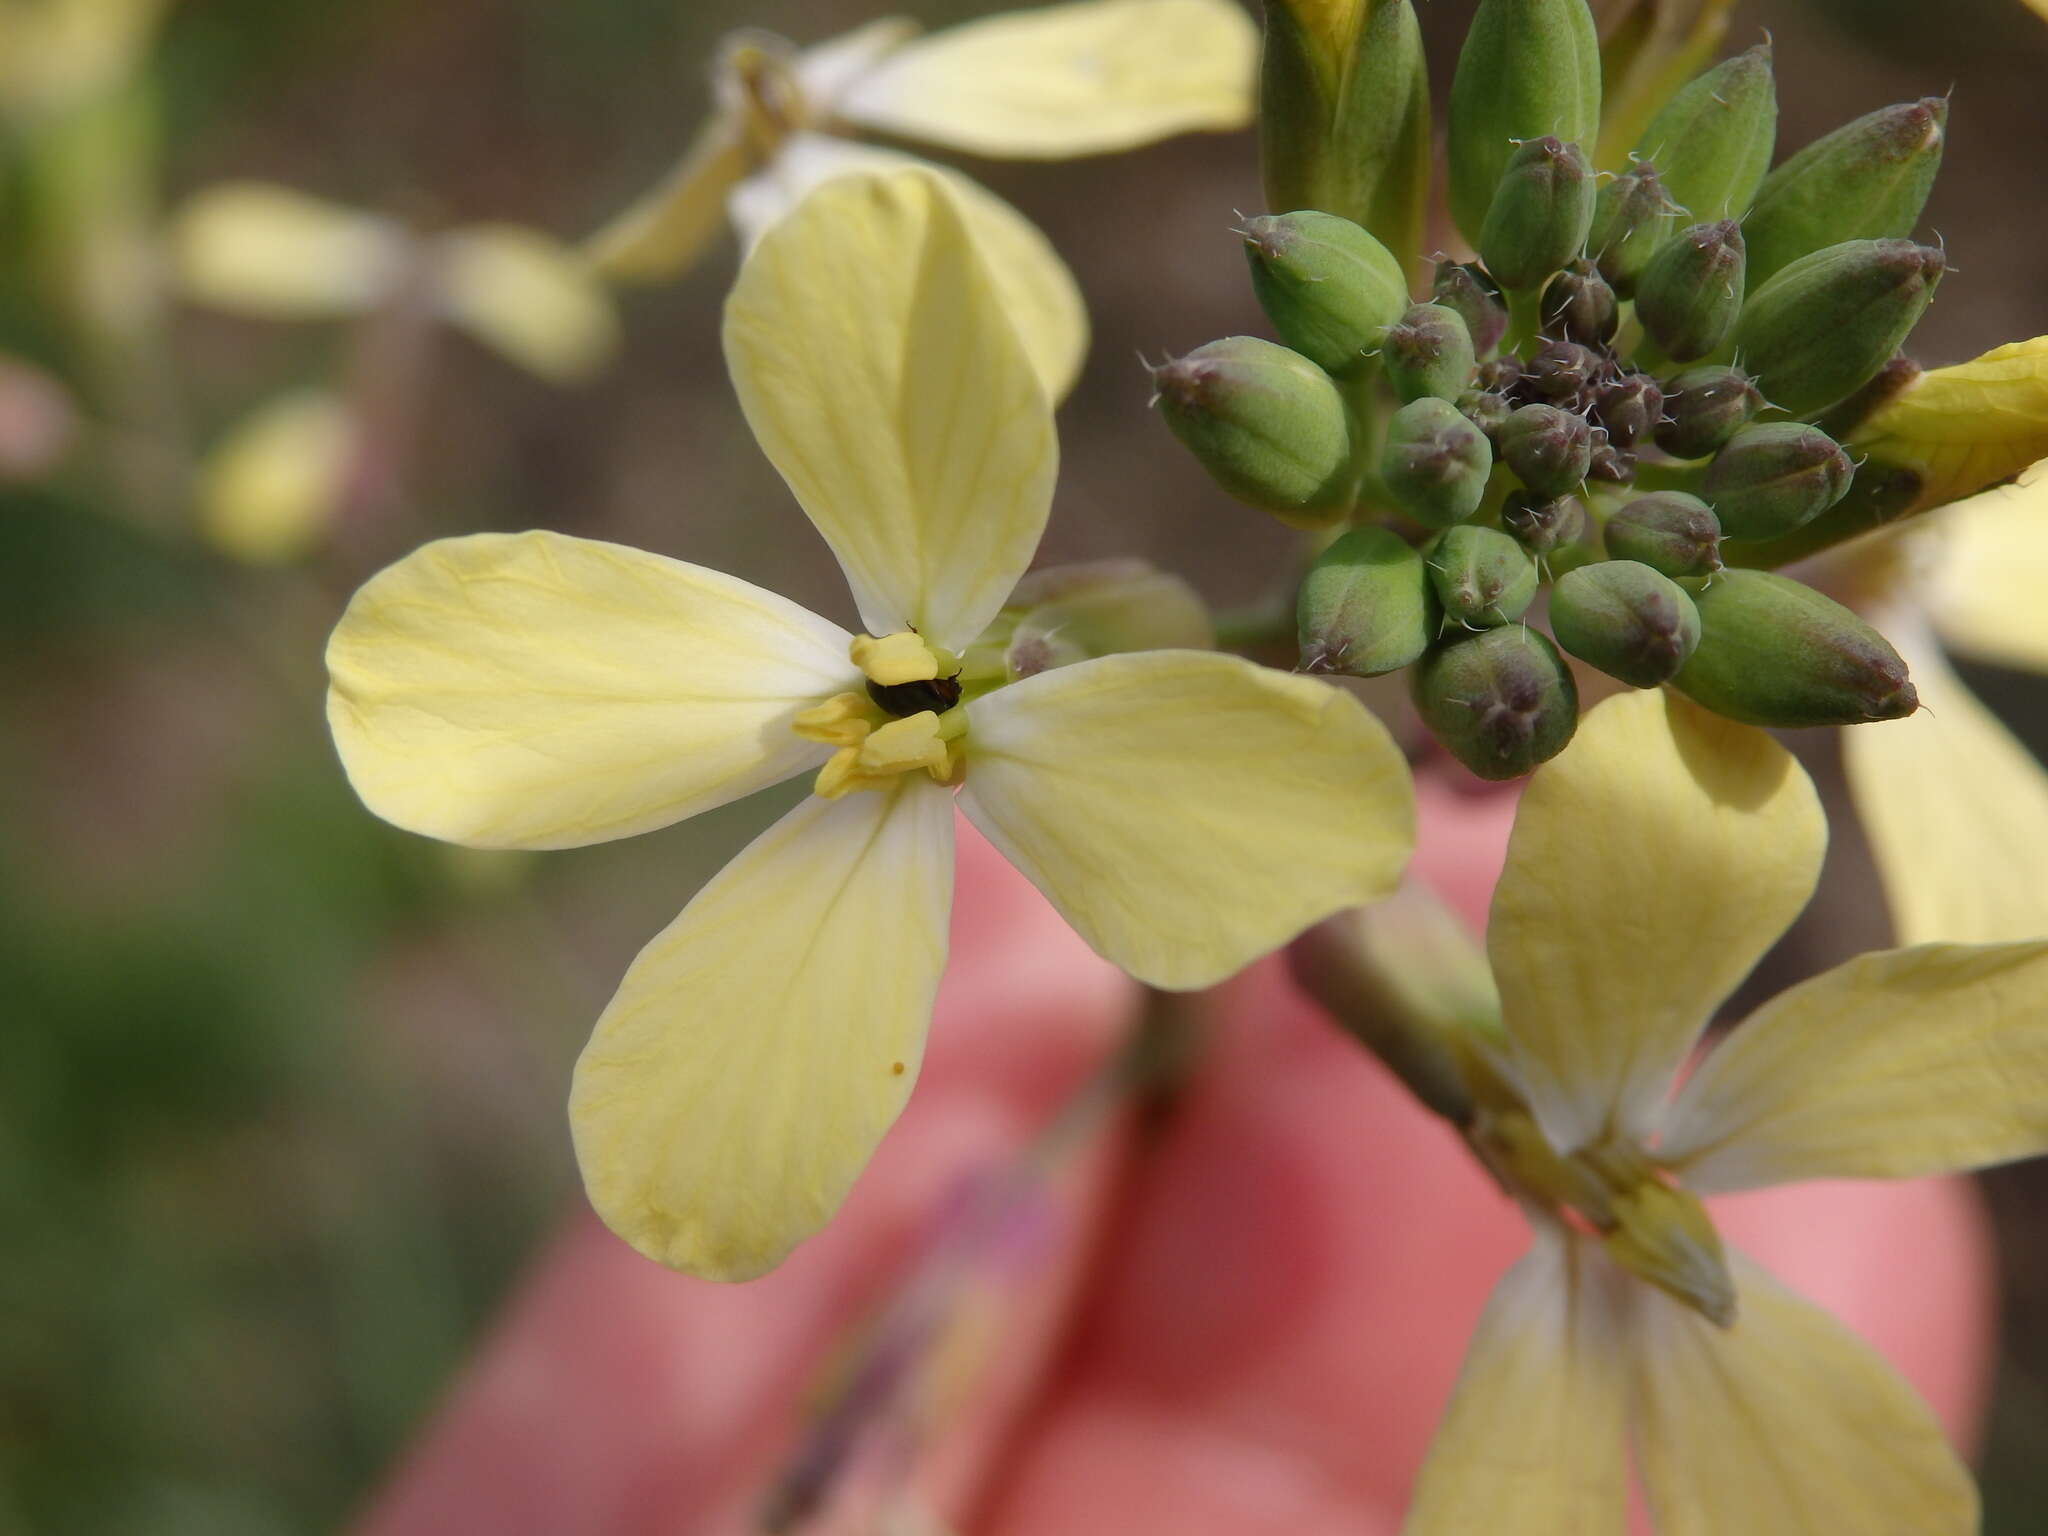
pixel 907 722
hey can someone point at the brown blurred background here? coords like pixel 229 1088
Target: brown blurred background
pixel 280 1088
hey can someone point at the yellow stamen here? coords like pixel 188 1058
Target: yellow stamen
pixel 843 720
pixel 892 660
pixel 919 741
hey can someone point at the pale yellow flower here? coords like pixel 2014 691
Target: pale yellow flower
pixel 1185 811
pixel 1956 808
pixel 1651 866
pixel 1049 83
pixel 274 253
pixel 270 489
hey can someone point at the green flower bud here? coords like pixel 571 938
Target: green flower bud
pixel 1566 374
pixel 1629 409
pixel 1772 479
pixel 1712 142
pixel 1610 465
pixel 1548 449
pixel 1329 288
pixel 1435 463
pixel 1467 289
pixel 1366 606
pixel 1068 613
pixel 1543 525
pixel 1268 425
pixel 1344 114
pixel 1691 292
pixel 1486 411
pixel 1880 494
pixel 1672 533
pixel 1580 306
pixel 1632 218
pixel 1704 408
pixel 1428 353
pixel 1481 576
pixel 1774 652
pixel 1502 701
pixel 1528 68
pixel 1866 181
pixel 1824 326
pixel 1539 216
pixel 1625 619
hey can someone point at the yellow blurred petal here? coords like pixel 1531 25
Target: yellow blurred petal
pixel 1955 808
pixel 269 490
pixel 57 53
pixel 878 370
pixel 256 249
pixel 1038 292
pixel 1533 1439
pixel 1648 49
pixel 1985 588
pixel 1910 1061
pixel 532 298
pixel 1966 427
pixel 763 1042
pixel 537 691
pixel 1188 812
pixel 1057 81
pixel 660 237
pixel 1651 866
pixel 1786 1424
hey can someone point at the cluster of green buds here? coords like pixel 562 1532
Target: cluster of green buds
pixel 1626 412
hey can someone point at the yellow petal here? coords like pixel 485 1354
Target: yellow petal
pixel 1955 808
pixel 1966 427
pixel 876 366
pixel 1187 812
pixel 826 71
pixel 1038 293
pixel 268 492
pixel 1984 591
pixel 269 251
pixel 530 297
pixel 1533 1439
pixel 1057 81
pixel 764 1041
pixel 661 236
pixel 537 691
pixel 1783 1425
pixel 1909 1061
pixel 1651 866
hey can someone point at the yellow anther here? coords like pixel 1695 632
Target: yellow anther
pixel 1664 1235
pixel 915 742
pixel 895 659
pixel 903 745
pixel 843 720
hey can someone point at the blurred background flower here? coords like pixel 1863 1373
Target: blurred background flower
pixel 280 1087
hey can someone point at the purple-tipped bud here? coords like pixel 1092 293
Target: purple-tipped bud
pixel 1625 619
pixel 1691 292
pixel 1580 306
pixel 1548 449
pixel 1704 408
pixel 1429 353
pixel 1610 465
pixel 1541 524
pixel 1774 652
pixel 1435 463
pixel 1502 701
pixel 1481 576
pixel 1825 326
pixel 1772 479
pixel 1540 213
pixel 1486 411
pixel 1328 286
pixel 1267 424
pixel 1567 375
pixel 1674 534
pixel 1632 216
pixel 1630 409
pixel 1466 288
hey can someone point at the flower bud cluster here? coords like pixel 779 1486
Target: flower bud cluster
pixel 1630 398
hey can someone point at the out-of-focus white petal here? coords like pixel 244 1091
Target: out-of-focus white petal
pixel 530 297
pixel 1990 566
pixel 1955 808
pixel 762 1043
pixel 1057 81
pixel 269 490
pixel 272 252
